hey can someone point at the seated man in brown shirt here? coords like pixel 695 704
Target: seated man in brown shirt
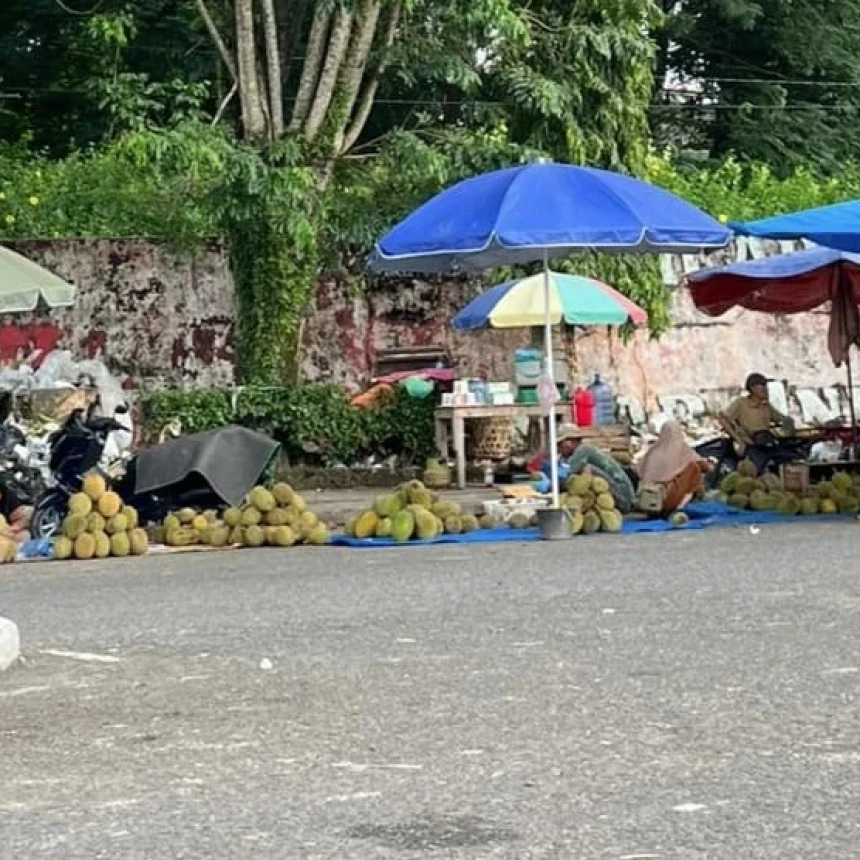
pixel 750 420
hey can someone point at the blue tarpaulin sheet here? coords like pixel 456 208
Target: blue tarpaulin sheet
pixel 702 515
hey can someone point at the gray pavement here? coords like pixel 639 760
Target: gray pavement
pixel 675 696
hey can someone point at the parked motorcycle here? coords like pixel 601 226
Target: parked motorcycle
pixel 720 452
pixel 87 443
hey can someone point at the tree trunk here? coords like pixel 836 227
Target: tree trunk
pixel 253 117
pixel 273 69
pixel 338 43
pixel 352 70
pixel 314 55
pixel 362 113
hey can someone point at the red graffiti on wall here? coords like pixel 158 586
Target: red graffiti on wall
pixel 18 341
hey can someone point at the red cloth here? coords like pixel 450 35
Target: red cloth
pixel 12 339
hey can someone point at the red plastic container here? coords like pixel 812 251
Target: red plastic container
pixel 583 407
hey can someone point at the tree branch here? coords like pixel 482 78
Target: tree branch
pixel 223 106
pixel 273 69
pixel 314 56
pixel 253 117
pixel 220 45
pixel 352 70
pixel 365 104
pixel 338 43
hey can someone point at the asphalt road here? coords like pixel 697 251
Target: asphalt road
pixel 676 696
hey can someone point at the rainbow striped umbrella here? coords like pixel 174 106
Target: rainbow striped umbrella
pixel 573 299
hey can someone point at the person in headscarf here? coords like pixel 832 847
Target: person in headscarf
pixel 671 471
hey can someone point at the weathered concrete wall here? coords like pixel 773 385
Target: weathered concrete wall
pixel 700 356
pixel 155 316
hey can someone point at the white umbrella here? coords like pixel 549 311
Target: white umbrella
pixel 23 283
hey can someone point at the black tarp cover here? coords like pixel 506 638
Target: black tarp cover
pixel 230 459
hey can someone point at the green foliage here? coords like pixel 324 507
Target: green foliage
pixel 312 422
pixel 783 75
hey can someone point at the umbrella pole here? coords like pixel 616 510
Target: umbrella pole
pixel 550 369
pixel 851 411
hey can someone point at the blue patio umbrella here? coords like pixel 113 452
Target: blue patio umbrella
pixel 836 226
pixel 535 212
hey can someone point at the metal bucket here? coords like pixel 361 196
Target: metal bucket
pixel 554 524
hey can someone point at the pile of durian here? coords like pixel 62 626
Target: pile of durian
pixel 745 490
pixel 98 525
pixel 591 504
pixel 270 517
pixel 412 512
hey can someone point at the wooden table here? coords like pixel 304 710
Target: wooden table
pixel 457 416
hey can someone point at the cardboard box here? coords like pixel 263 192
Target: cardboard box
pixel 795 477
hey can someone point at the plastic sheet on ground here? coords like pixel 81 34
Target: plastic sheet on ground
pixel 702 515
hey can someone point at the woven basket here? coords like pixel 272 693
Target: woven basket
pixel 491 438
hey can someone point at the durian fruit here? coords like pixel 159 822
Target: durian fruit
pixel 109 504
pixel 419 494
pixel 8 550
pixel 588 501
pixel 789 506
pixel 746 485
pixel 426 525
pixel 80 504
pixel 365 526
pixel 139 542
pixel 251 517
pixel 590 523
pixel 577 522
pixel 95 522
pixel 809 505
pixel 469 522
pixel 308 520
pixel 171 523
pixel 443 509
pixel 518 521
pixel 739 500
pixel 237 536
pixel 64 548
pixel 605 502
pixel 186 515
pixel 383 528
pixel 578 485
pixel 318 536
pixel 283 494
pixel 94 486
pixel 283 536
pixel 219 535
pixel 679 519
pixel 825 490
pixel 729 484
pixel 599 485
pixel 572 503
pixel 349 527
pixel 747 469
pixel 610 521
pixel 182 536
pixel 298 503
pixel 402 526
pixel 116 524
pixel 387 505
pixel 843 481
pixel 102 545
pixel 120 545
pixel 131 515
pixel 254 536
pixel 848 505
pixel 74 526
pixel 85 546
pixel 828 506
pixel 262 499
pixel 453 525
pixel 276 517
pixel 486 521
pixel 200 523
pixel 232 517
pixel 758 500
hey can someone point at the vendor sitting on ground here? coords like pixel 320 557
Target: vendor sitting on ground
pixel 671 472
pixel 749 422
pixel 578 459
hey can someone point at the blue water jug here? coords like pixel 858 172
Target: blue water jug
pixel 604 401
